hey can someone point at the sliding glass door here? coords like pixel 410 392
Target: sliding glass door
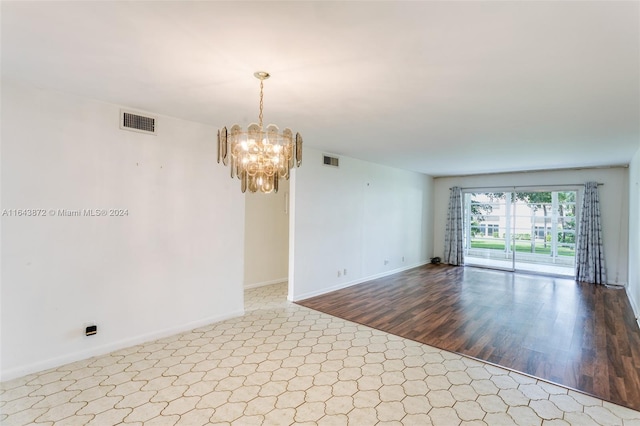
pixel 526 231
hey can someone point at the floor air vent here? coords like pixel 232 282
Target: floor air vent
pixel 330 161
pixel 138 123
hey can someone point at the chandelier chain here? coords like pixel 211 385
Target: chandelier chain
pixel 261 103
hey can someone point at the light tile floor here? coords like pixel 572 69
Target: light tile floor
pixel 283 364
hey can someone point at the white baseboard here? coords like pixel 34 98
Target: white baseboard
pixel 47 364
pixel 352 283
pixel 263 283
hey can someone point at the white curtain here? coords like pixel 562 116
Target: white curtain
pixel 453 254
pixel 589 250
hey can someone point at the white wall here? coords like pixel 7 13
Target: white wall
pixel 266 248
pixel 633 289
pixel 613 206
pixel 174 263
pixel 355 217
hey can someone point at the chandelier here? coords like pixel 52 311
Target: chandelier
pixel 259 157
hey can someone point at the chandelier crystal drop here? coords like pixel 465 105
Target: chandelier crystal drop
pixel 259 157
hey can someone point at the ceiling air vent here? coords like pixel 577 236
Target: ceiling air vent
pixel 130 120
pixel 330 161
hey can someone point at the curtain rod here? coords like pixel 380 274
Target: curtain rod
pixel 524 186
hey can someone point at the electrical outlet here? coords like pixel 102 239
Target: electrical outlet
pixel 403 258
pixel 386 261
pixel 344 271
pixel 339 273
pixel 90 328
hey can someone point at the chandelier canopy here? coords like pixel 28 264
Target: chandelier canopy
pixel 259 157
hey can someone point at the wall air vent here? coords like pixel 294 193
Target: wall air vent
pixel 130 120
pixel 328 160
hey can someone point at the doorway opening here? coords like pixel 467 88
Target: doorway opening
pixel 533 231
pixel 266 247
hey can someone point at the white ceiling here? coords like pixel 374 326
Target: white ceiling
pixel 443 88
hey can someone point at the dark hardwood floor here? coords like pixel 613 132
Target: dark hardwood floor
pixel 578 335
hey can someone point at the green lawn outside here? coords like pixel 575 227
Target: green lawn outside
pixel 521 246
